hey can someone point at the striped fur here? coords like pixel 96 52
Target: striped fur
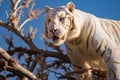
pixel 91 42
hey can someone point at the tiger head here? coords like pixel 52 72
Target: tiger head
pixel 59 24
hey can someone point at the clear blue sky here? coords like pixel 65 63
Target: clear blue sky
pixel 101 8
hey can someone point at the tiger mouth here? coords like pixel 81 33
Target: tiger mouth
pixel 56 38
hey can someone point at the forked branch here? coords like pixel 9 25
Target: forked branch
pixel 18 68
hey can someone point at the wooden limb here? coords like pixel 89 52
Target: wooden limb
pixel 15 66
pixel 19 34
pixel 43 52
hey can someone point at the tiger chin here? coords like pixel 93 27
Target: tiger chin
pixel 90 42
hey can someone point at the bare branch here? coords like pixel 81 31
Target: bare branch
pixel 26 3
pixel 58 55
pixel 14 4
pixel 31 32
pixel 16 66
pixel 19 34
pixel 24 22
pixel 31 15
pixel 33 65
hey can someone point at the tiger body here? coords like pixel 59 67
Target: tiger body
pixel 91 42
pixel 86 50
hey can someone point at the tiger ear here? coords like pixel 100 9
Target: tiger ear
pixel 47 8
pixel 70 6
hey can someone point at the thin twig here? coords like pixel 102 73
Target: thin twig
pixel 24 22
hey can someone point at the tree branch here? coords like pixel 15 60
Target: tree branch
pixel 19 34
pixel 17 68
pixel 43 52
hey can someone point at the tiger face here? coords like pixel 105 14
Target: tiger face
pixel 58 23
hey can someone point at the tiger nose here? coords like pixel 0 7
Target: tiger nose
pixel 53 30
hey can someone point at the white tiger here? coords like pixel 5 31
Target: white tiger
pixel 90 41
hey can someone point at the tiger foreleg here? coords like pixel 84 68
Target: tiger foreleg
pixel 112 60
pixel 83 72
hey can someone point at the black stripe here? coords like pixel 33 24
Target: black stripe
pixel 117 41
pixel 68 48
pixel 118 28
pixel 108 34
pixel 89 37
pixel 115 28
pixel 113 73
pixel 93 35
pixel 99 46
pixel 104 28
pixel 103 51
pixel 78 41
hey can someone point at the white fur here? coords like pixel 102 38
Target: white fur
pixel 77 25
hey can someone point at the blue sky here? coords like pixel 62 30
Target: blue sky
pixel 101 8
